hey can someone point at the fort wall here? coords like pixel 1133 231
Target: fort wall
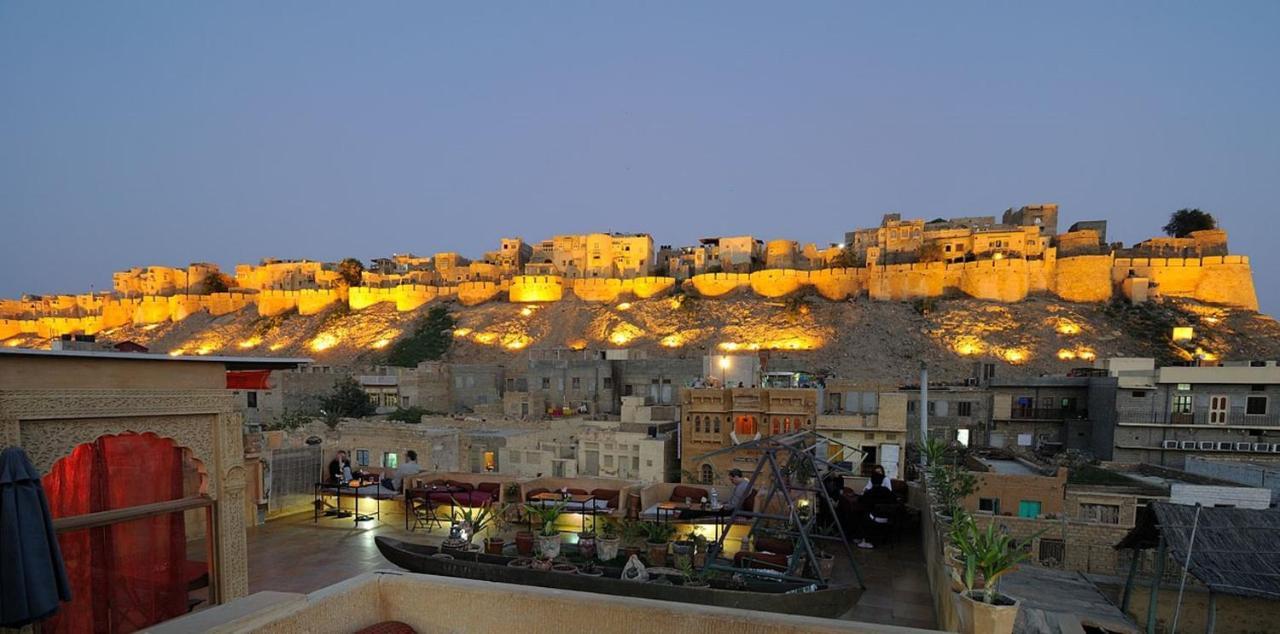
pixel 778 282
pixel 604 290
pixel 646 287
pixel 719 284
pixel 1083 278
pixel 472 293
pixel 1218 279
pixel 536 288
pixel 839 284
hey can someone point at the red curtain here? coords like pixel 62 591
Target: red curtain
pixel 129 575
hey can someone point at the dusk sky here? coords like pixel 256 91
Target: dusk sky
pixel 141 133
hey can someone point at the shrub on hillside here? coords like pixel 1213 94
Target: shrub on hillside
pixel 430 340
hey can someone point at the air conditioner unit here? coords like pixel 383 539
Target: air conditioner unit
pixel 1223 446
pixel 1243 446
pixel 1188 444
pixel 1168 444
pixel 1262 447
pixel 1207 445
pixel 1275 448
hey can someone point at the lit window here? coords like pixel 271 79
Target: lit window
pixel 390 460
pixel 1182 404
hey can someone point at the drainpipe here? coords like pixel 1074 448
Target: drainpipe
pixel 924 406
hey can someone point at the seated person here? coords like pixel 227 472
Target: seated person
pixel 741 488
pixel 864 515
pixel 340 469
pixel 879 470
pixel 407 469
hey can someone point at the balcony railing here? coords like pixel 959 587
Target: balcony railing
pixel 1218 419
pixel 1036 413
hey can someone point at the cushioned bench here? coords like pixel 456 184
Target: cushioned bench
pixel 694 494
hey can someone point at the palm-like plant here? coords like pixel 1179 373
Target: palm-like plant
pixel 478 518
pixel 658 532
pixel 933 450
pixel 991 553
pixel 547 516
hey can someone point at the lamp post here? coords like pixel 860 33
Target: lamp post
pixel 724 365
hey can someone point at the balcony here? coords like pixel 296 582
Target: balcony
pixel 1036 413
pixel 1205 418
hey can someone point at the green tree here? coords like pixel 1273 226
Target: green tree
pixel 215 283
pixel 350 270
pixel 430 340
pixel 1183 221
pixel 346 400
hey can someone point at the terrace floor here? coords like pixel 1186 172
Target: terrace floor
pixel 293 554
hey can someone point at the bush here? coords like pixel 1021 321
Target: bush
pixel 289 421
pixel 347 400
pixel 411 415
pixel 430 340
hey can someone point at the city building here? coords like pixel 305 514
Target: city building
pixel 718 418
pixel 867 419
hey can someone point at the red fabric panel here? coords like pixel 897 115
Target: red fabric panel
pixel 130 575
pixel 247 379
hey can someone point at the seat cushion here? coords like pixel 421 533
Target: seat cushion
pixel 609 496
pixel 578 492
pixel 681 492
pixel 464 486
pixel 489 487
pixel 532 492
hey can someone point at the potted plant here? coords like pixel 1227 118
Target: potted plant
pixel 590 569
pixel 607 541
pixel 826 563
pixel 524 543
pixel 474 520
pixel 548 537
pixel 693 577
pixel 699 548
pixel 633 535
pixel 657 539
pixel 587 545
pixel 988 555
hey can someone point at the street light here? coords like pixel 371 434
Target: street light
pixel 724 365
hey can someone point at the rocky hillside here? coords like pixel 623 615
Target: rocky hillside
pixel 860 339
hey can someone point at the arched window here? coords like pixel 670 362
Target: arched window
pixel 717 428
pixel 697 424
pixel 707 474
pixel 745 425
pixel 776 426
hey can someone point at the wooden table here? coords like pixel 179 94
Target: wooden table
pixel 353 490
pixel 694 511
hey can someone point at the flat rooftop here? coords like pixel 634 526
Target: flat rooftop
pixel 1008 467
pixel 231 363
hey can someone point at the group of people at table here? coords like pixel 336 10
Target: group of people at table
pixel 858 513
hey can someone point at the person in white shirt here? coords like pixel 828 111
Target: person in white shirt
pixel 879 470
pixel 408 468
pixel 741 488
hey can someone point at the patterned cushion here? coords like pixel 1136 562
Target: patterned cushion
pixel 388 627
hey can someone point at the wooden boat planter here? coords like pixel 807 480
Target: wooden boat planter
pixel 753 593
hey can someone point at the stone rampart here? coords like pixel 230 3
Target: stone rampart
pixel 362 297
pixel 10 328
pixel 995 280
pixel 536 288
pixel 839 284
pixel 1218 279
pixel 719 284
pixel 225 303
pixel 272 302
pixel 312 301
pixel 152 309
pixel 411 296
pixel 473 293
pixel 1082 278
pixel 778 282
pixel 604 290
pixel 183 306
pixel 646 287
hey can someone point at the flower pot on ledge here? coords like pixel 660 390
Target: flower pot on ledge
pixel 977 617
pixel 657 553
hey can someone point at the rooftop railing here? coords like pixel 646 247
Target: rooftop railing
pixel 1206 418
pixel 1037 413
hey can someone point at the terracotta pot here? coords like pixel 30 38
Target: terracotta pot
pixel 549 546
pixel 568 569
pixel 521 562
pixel 826 564
pixel 591 573
pixel 524 543
pixel 587 545
pixel 494 545
pixel 540 564
pixel 657 554
pixel 977 617
pixel 607 548
pixel 628 551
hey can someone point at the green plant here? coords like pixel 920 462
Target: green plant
pixel 411 415
pixel 691 574
pixel 633 531
pixel 699 541
pixel 290 420
pixel 963 526
pixel 953 486
pixel 478 518
pixel 658 532
pixel 934 451
pixel 607 527
pixel 350 269
pixel 430 340
pixel 991 554
pixel 1183 221
pixel 547 516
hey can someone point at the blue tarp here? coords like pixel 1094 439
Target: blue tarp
pixel 33 579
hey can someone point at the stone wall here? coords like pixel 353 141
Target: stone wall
pixel 1219 279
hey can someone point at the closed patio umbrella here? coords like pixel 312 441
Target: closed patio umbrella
pixel 33 578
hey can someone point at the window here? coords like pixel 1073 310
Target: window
pixel 1102 513
pixel 911 407
pixel 989 505
pixel 1218 408
pixel 1184 387
pixel 707 474
pixel 362 457
pixel 1255 405
pixel 717 425
pixel 1182 404
pixel 1257 388
pixel 1052 552
pixel 390 460
pixel 575 382
pixel 252 400
pixel 745 426
pixel 964 408
pixel 697 424
pixel 1029 508
pixel 1138 394
pixel 546 382
pixel 607 382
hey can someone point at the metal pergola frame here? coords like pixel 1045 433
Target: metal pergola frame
pixel 799 449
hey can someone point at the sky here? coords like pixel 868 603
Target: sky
pixel 144 133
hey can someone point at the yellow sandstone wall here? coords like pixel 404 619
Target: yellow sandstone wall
pixel 646 287
pixel 312 301
pixel 1083 278
pixel 10 328
pixel 839 284
pixel 272 303
pixel 472 293
pixel 536 288
pixel 995 280
pixel 153 309
pixel 719 284
pixel 411 296
pixel 362 297
pixel 1228 280
pixel 778 282
pixel 604 290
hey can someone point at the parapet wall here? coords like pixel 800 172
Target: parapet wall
pixel 1225 280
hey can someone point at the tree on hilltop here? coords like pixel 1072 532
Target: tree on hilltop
pixel 215 283
pixel 346 400
pixel 351 269
pixel 430 340
pixel 1183 221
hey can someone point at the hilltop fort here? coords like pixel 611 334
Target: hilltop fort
pixel 1023 256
